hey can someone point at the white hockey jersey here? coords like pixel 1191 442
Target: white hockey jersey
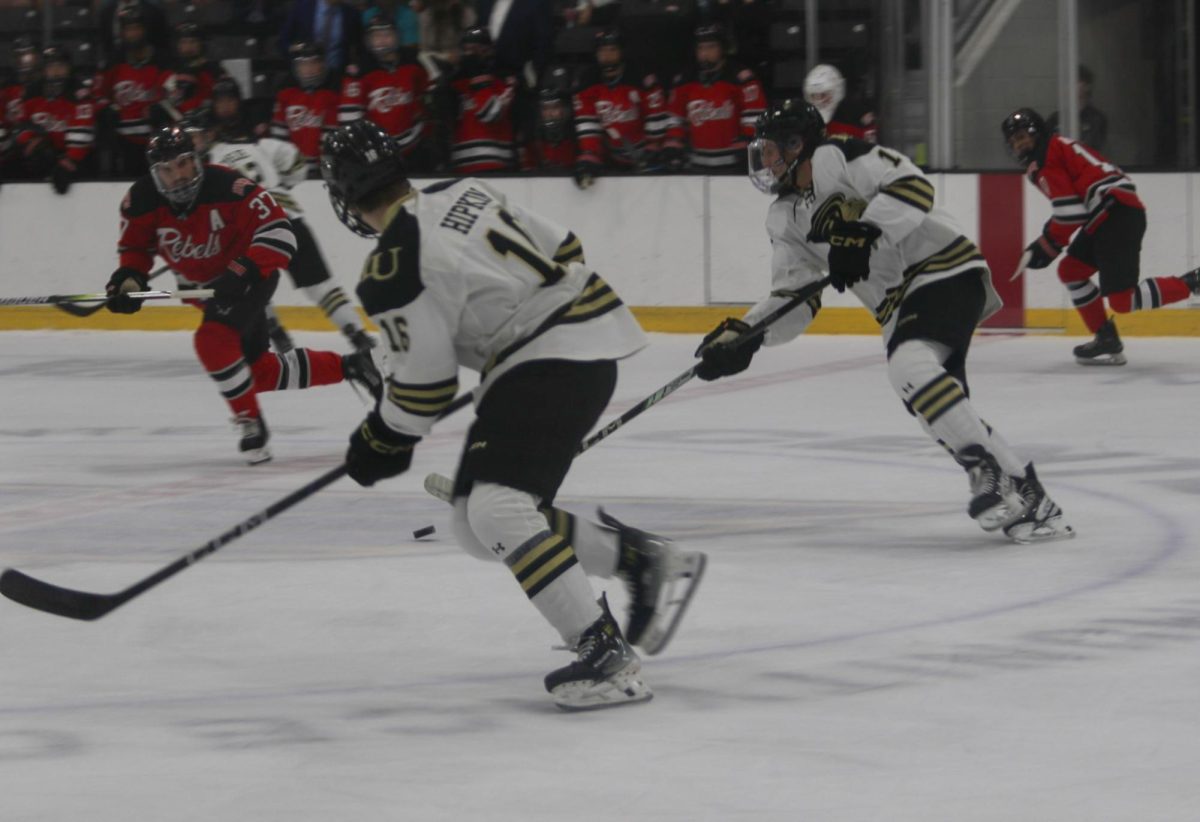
pixel 276 165
pixel 856 180
pixel 461 277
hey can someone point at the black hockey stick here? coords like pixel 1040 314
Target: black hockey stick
pixel 84 605
pixel 757 330
pixel 86 311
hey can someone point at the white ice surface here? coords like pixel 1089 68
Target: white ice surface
pixel 858 651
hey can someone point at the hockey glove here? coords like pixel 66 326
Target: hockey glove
pixel 585 175
pixel 62 175
pixel 672 157
pixel 850 253
pixel 377 452
pixel 723 353
pixel 119 285
pixel 237 281
pixel 1042 252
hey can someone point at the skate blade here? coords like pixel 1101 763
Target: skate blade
pixel 1041 533
pixel 623 688
pixel 257 456
pixel 689 570
pixel 1108 359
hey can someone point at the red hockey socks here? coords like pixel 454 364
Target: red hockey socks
pixel 298 368
pixel 1085 296
pixel 1152 293
pixel 219 349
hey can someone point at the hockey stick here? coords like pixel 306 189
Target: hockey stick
pixel 57 299
pixel 1022 265
pixel 80 311
pixel 84 605
pixel 441 486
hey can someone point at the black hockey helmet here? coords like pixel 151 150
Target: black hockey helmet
pixel 610 69
pixel 358 160
pixel 608 37
pixel 792 125
pixel 199 124
pixel 189 30
pixel 1026 121
pixel 477 36
pixel 170 144
pixel 55 54
pixel 554 111
pixel 226 86
pixel 305 52
pixel 130 14
pixel 386 49
pixel 56 70
pixel 711 33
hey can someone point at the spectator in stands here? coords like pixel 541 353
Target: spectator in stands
pixel 128 88
pixel 402 16
pixel 825 88
pixel 478 101
pixel 442 23
pixel 55 124
pixel 158 33
pixel 389 90
pixel 335 25
pixel 593 13
pixel 713 110
pixel 621 114
pixel 1093 124
pixel 552 146
pixel 307 106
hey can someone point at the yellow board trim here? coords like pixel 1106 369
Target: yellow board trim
pixel 1165 322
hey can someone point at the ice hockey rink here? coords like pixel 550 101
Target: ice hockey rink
pixel 859 649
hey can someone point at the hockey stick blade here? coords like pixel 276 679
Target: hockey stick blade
pixel 85 605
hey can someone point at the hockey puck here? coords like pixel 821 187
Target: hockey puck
pixel 423 532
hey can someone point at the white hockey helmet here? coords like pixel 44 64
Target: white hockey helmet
pixel 825 88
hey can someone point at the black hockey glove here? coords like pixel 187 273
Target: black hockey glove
pixel 239 279
pixel 360 339
pixel 850 253
pixel 377 452
pixel 672 158
pixel 585 174
pixel 120 283
pixel 722 353
pixel 1042 252
pixel 62 175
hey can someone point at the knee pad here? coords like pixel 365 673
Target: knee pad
pixel 1073 270
pixel 494 520
pixel 1122 301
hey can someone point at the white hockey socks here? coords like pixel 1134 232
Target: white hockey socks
pixel 505 523
pixel 940 404
pixel 597 546
pixel 337 306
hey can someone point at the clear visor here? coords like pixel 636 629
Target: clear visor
pixel 179 178
pixel 768 166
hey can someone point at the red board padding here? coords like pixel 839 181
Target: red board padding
pixel 1001 239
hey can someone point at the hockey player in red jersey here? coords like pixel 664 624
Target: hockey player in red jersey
pixel 713 109
pixel 825 88
pixel 621 116
pixel 55 124
pixel 553 145
pixel 1094 203
pixel 129 87
pixel 219 230
pixel 307 108
pixel 187 85
pixel 483 129
pixel 387 89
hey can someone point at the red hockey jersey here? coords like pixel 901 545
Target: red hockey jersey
pixel 853 120
pixel 715 119
pixel 130 89
pixel 542 154
pixel 69 121
pixel 304 116
pixel 232 217
pixel 1081 185
pixel 483 135
pixel 617 123
pixel 392 99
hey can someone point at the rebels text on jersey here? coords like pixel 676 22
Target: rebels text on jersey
pixel 853 180
pixel 462 277
pixel 130 89
pixel 715 118
pixel 304 116
pixel 393 99
pixel 1081 185
pixel 232 217
pixel 614 122
pixel 69 121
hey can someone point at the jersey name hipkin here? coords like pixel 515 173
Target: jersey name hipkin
pixel 466 210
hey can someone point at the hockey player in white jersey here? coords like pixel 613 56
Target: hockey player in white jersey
pixel 866 215
pixel 462 277
pixel 277 166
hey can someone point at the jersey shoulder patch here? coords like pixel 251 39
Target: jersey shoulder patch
pixel 391 277
pixel 142 198
pixel 224 185
pixel 851 147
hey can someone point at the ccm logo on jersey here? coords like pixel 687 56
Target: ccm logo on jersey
pixel 177 246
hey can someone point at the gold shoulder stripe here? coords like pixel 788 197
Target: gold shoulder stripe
pixel 570 250
pixel 914 191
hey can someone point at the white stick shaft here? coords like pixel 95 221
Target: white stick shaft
pixel 1021 266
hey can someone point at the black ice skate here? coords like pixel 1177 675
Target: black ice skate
pixel 994 500
pixel 1104 349
pixel 607 672
pixel 661 580
pixel 1192 281
pixel 360 339
pixel 1042 519
pixel 281 341
pixel 254 438
pixel 360 370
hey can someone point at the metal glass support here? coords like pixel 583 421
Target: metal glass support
pixel 1068 68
